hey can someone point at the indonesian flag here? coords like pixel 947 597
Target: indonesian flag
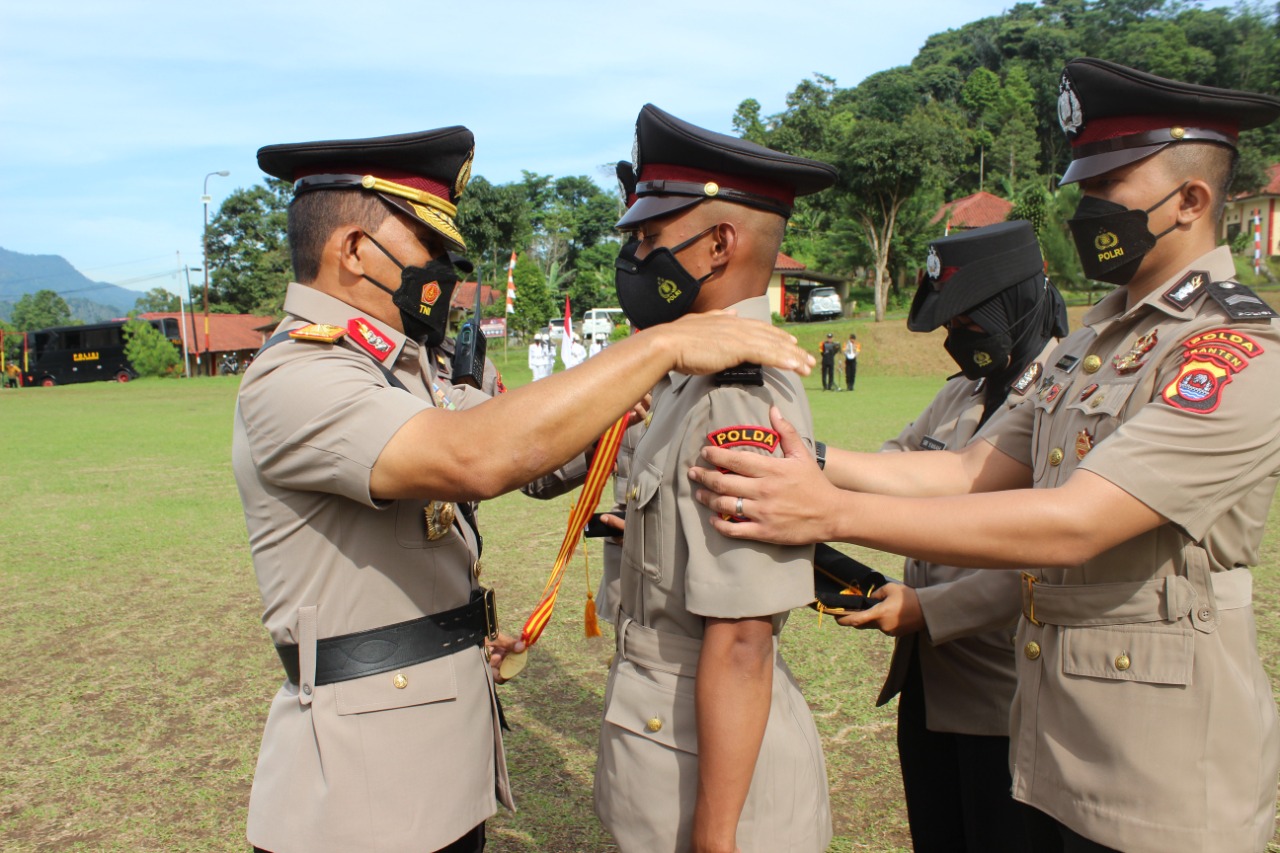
pixel 568 324
pixel 511 285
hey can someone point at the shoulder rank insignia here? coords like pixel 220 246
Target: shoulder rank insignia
pixel 370 339
pixel 1240 302
pixel 1027 379
pixel 744 374
pixel 979 387
pixel 319 332
pixel 1131 361
pixel 1210 360
pixel 1187 289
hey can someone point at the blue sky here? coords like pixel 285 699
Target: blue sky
pixel 111 113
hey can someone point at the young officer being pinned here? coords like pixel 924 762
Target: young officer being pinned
pixel 356 467
pixel 707 743
pixel 1133 484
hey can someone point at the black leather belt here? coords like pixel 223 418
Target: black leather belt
pixel 397 646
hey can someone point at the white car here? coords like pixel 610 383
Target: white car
pixel 600 321
pixel 823 304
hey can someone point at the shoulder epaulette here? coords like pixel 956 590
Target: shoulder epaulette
pixel 1240 302
pixel 744 374
pixel 319 332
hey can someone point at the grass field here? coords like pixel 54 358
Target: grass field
pixel 138 674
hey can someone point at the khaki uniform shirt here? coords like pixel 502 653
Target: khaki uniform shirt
pixel 1143 719
pixel 361 764
pixel 676 571
pixel 966 648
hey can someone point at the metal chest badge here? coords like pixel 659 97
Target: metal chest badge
pixel 1135 357
pixel 1084 443
pixel 439 517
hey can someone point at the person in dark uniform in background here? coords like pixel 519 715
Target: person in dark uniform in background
pixel 829 350
pixel 953 662
pixel 355 467
pixel 1133 485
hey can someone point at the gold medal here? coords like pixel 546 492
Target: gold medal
pixel 513 664
pixel 1135 357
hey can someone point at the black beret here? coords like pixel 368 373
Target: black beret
pixel 969 267
pixel 422 174
pixel 1113 115
pixel 676 165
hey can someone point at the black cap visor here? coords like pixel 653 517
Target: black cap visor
pixel 1100 164
pixel 653 206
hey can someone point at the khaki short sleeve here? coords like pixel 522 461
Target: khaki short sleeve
pixel 738 578
pixel 1200 445
pixel 317 419
pixel 1009 431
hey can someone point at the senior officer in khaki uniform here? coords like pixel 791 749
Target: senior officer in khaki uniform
pixel 355 478
pixel 1143 719
pixel 707 743
pixel 954 660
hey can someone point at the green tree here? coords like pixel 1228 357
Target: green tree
pixel 494 220
pixel 882 165
pixel 1015 149
pixel 148 350
pixel 248 250
pixel 980 95
pixel 534 304
pixel 156 299
pixel 40 310
pixel 748 124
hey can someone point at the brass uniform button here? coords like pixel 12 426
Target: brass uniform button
pixel 654 724
pixel 1032 650
pixel 1122 661
pixel 633 493
pixel 400 681
pixel 1055 457
pixel 1091 364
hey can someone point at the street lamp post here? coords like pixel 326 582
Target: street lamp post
pixel 204 245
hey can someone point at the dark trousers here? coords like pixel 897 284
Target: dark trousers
pixel 957 786
pixel 472 842
pixel 828 375
pixel 1050 836
pixel 850 372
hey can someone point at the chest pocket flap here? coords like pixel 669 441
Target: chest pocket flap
pixel 656 706
pixel 644 511
pixel 1107 400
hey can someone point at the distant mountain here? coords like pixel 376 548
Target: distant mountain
pixel 90 301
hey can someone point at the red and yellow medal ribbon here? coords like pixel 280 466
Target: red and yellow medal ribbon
pixel 597 475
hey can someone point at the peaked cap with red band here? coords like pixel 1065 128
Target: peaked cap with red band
pixel 421 174
pixel 677 164
pixel 1113 115
pixel 966 269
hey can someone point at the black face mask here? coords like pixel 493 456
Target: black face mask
pixel 658 289
pixel 1112 239
pixel 423 297
pixel 977 353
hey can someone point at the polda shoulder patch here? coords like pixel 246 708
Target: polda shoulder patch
pixel 745 435
pixel 1210 360
pixel 318 332
pixel 370 339
pixel 1240 302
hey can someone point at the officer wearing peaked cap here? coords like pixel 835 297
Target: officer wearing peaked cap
pixel 953 662
pixel 707 743
pixel 1144 465
pixel 356 467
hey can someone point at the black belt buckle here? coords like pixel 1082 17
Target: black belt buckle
pixel 490 613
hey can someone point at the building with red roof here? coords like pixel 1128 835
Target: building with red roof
pixel 1239 213
pixel 972 211
pixel 238 334
pixel 792 280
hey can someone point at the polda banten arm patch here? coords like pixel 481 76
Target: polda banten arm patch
pixel 1240 302
pixel 744 435
pixel 1210 360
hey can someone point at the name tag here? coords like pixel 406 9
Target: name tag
pixel 931 443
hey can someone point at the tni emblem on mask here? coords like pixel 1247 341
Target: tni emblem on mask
pixel 668 290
